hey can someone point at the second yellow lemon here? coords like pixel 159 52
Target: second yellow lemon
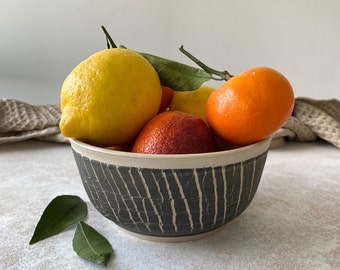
pixel 109 97
pixel 193 102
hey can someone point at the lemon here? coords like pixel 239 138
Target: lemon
pixel 193 102
pixel 109 97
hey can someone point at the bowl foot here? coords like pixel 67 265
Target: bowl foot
pixel 172 239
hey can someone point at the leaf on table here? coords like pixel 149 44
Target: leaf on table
pixel 62 212
pixel 177 76
pixel 91 245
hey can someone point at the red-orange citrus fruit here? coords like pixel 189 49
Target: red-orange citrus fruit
pixel 174 132
pixel 250 106
pixel 167 95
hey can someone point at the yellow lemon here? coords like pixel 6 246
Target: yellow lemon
pixel 109 97
pixel 193 102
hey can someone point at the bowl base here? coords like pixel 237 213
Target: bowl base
pixel 172 239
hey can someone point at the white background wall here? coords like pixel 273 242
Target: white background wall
pixel 41 41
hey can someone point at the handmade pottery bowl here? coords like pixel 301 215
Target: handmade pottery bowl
pixel 170 197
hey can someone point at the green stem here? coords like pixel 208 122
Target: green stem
pixel 109 40
pixel 224 75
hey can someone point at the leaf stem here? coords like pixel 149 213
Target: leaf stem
pixel 109 41
pixel 224 75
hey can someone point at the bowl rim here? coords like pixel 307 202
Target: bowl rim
pixel 170 161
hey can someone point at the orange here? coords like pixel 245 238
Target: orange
pixel 174 132
pixel 250 106
pixel 167 95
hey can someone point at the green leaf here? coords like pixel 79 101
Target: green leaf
pixel 62 212
pixel 91 245
pixel 177 76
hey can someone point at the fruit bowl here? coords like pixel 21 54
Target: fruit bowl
pixel 170 198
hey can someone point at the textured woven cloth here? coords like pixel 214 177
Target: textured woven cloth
pixel 311 120
pixel 21 121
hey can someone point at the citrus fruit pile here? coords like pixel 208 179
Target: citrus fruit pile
pixel 118 100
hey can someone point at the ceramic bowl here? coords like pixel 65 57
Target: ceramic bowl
pixel 170 197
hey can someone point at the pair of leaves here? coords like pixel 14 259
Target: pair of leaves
pixel 60 214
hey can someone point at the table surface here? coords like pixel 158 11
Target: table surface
pixel 292 223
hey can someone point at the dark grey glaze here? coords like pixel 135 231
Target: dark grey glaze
pixel 171 202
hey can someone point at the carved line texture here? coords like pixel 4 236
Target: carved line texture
pixel 170 202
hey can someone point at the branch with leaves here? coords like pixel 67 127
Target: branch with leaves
pixel 175 75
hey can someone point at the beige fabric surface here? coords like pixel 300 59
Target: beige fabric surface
pixel 21 121
pixel 311 120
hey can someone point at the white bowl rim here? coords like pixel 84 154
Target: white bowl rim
pixel 170 161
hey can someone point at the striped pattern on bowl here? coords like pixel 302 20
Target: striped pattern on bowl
pixel 170 202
